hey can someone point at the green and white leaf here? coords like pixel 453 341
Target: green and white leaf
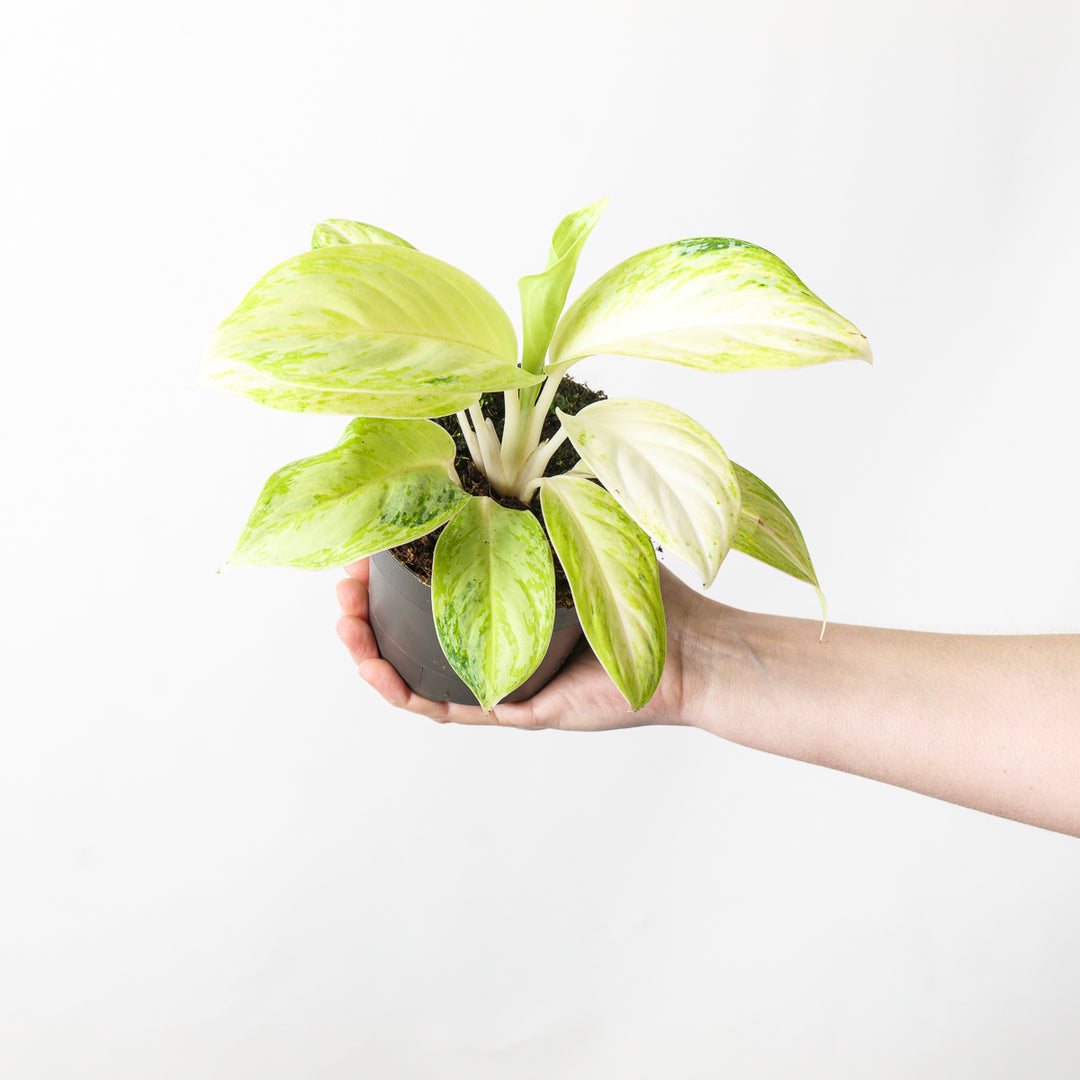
pixel 711 303
pixel 334 231
pixel 769 532
pixel 543 295
pixel 667 472
pixel 386 482
pixel 493 597
pixel 248 381
pixel 611 567
pixel 372 318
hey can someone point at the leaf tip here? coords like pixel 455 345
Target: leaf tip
pixel 824 612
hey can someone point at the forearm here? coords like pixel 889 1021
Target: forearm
pixel 988 722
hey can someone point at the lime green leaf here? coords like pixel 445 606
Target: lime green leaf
pixel 493 597
pixel 769 532
pixel 666 471
pixel 386 482
pixel 245 380
pixel 712 303
pixel 342 231
pixel 612 571
pixel 543 295
pixel 372 318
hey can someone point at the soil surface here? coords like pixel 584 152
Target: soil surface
pixel 572 397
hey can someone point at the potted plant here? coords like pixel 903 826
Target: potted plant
pixel 366 325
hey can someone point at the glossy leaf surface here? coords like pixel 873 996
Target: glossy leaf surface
pixel 247 381
pixel 386 482
pixel 667 472
pixel 371 318
pixel 543 295
pixel 611 567
pixel 342 231
pixel 711 303
pixel 769 532
pixel 493 597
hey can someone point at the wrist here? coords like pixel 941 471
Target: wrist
pixel 746 675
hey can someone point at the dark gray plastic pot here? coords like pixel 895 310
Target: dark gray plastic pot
pixel 399 609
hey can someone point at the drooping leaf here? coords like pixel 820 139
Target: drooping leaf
pixel 386 482
pixel 611 567
pixel 711 303
pixel 493 597
pixel 246 380
pixel 342 231
pixel 769 532
pixel 666 471
pixel 372 318
pixel 543 295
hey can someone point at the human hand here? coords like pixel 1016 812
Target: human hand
pixel 986 722
pixel 581 697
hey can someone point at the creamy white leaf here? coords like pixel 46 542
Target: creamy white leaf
pixel 666 471
pixel 712 303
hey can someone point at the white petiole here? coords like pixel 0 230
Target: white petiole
pixel 515 464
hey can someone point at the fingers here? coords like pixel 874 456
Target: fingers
pixel 352 598
pixel 384 680
pixel 359 570
pixel 358 637
pixel 356 634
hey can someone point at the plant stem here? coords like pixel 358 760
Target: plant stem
pixel 533 470
pixel 538 413
pixel 512 436
pixel 471 442
pixel 538 460
pixel 490 448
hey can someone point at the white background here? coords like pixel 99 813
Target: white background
pixel 220 855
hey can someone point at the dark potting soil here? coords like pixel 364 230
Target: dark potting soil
pixel 572 397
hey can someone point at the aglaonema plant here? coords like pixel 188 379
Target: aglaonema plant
pixel 365 325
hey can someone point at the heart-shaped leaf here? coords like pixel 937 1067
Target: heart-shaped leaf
pixel 611 567
pixel 543 295
pixel 372 318
pixel 386 482
pixel 666 471
pixel 493 597
pixel 711 303
pixel 769 532
pixel 342 231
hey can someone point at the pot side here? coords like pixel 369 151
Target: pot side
pixel 399 609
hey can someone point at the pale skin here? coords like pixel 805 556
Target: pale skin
pixel 988 722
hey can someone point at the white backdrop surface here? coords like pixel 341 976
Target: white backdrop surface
pixel 221 856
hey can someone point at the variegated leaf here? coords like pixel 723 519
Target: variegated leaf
pixel 386 482
pixel 543 295
pixel 769 532
pixel 711 303
pixel 493 597
pixel 372 318
pixel 611 567
pixel 245 380
pixel 666 471
pixel 342 231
